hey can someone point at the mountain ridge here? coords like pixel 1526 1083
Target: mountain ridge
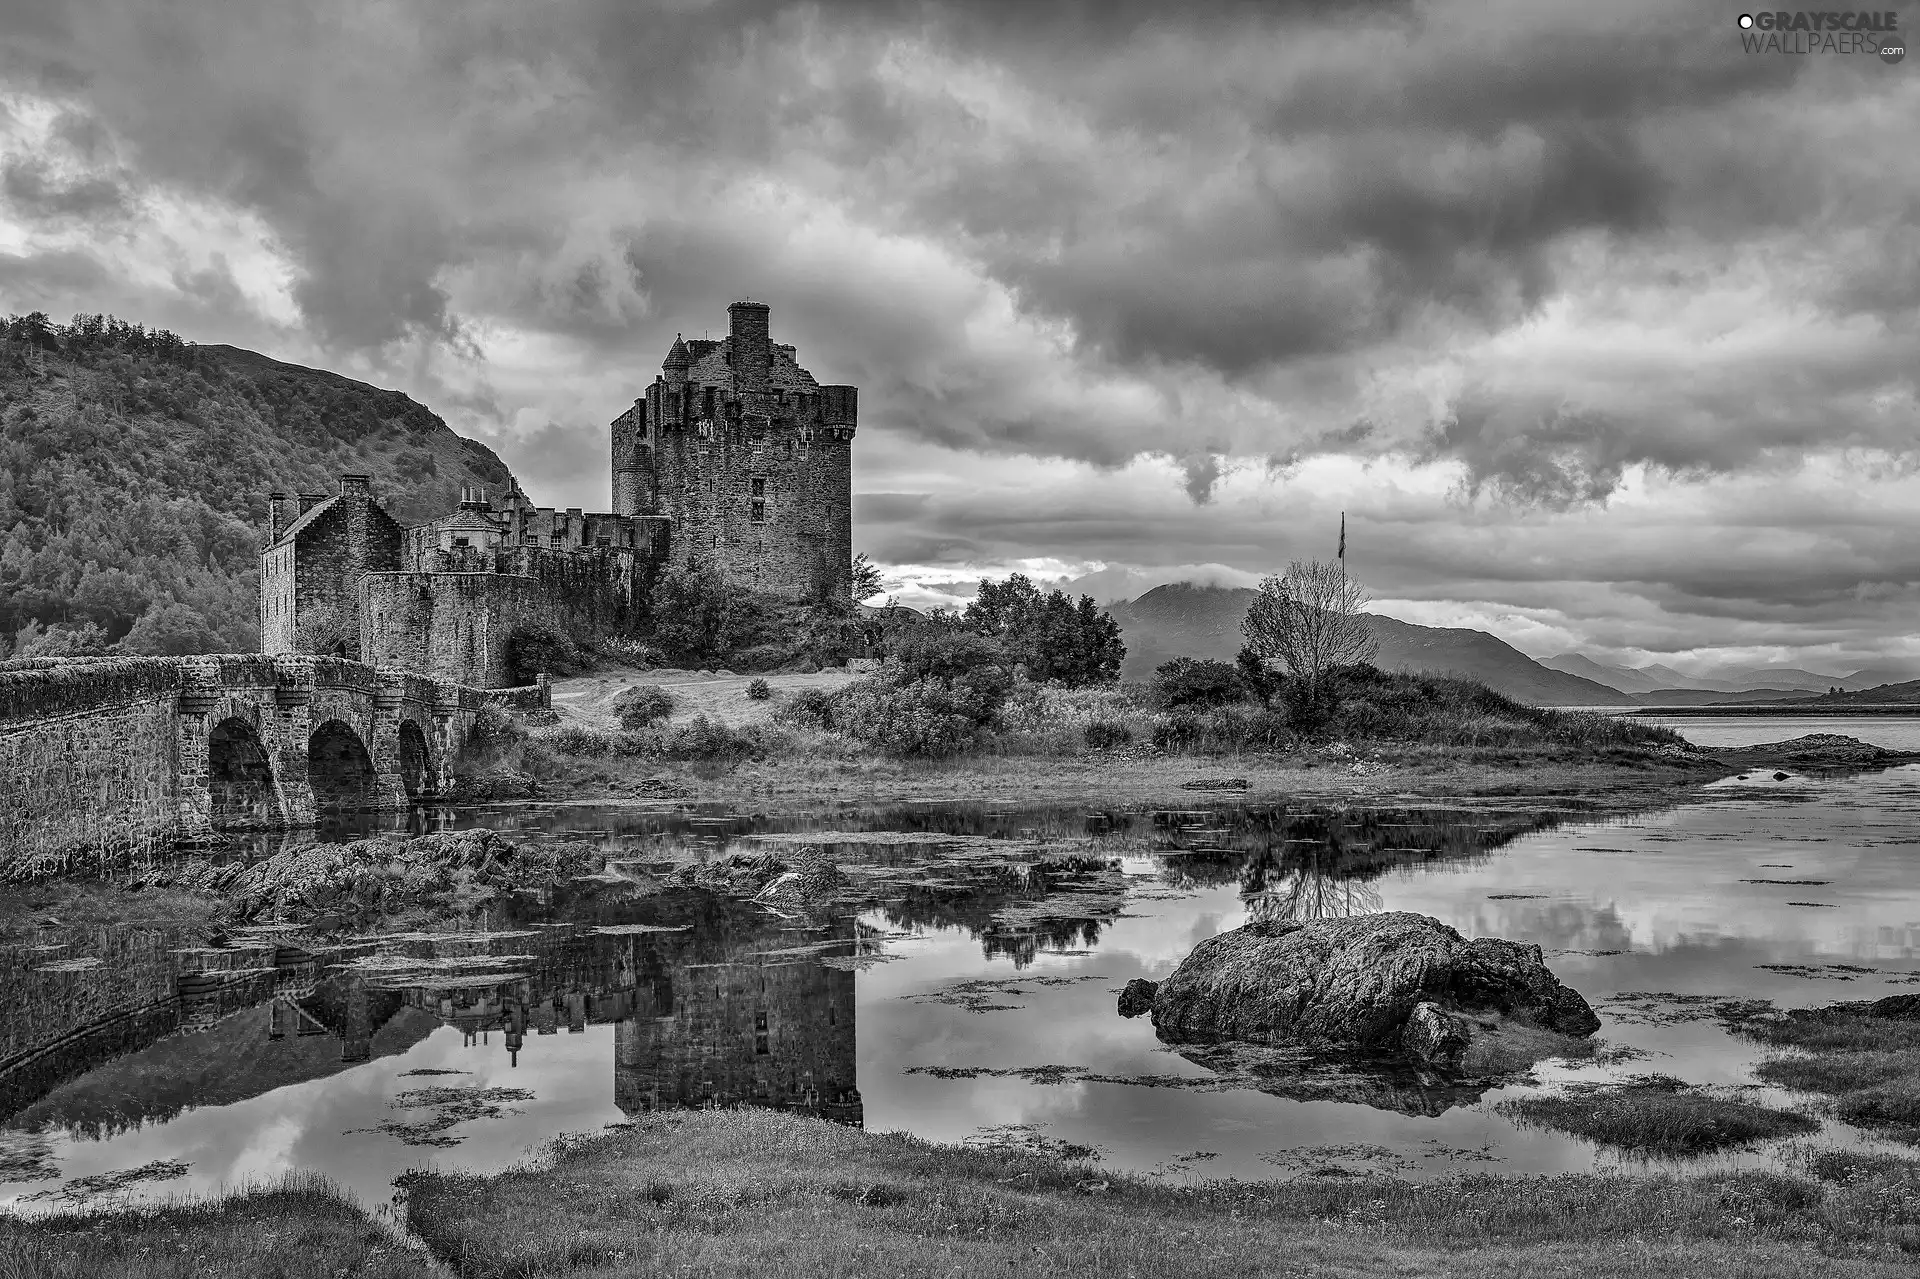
pixel 135 478
pixel 1184 620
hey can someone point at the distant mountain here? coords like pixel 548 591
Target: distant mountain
pixel 134 476
pixel 1715 697
pixel 1874 676
pixel 1183 620
pixel 1780 677
pixel 1625 679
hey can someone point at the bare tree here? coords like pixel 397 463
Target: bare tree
pixel 1309 618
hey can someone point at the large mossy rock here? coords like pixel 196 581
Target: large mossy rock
pixel 1395 984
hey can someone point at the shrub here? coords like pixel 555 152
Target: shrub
pixel 642 705
pixel 699 739
pixel 495 732
pixel 1196 682
pixel 537 650
pixel 761 657
pixel 759 691
pixel 1104 735
pixel 807 708
pixel 931 717
pixel 576 740
pixel 1179 731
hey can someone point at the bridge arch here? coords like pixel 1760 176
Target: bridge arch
pixel 240 781
pixel 340 770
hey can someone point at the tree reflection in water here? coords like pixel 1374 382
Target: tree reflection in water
pixel 1309 889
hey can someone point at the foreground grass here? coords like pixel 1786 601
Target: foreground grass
pixel 299 1229
pixel 1658 1115
pixel 1866 1056
pixel 753 1192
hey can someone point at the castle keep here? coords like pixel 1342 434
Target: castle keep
pixel 735 460
pixel 749 457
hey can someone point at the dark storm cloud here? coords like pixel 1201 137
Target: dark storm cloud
pixel 1550 243
pixel 36 193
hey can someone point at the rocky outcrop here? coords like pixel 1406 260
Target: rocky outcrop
pixel 1137 998
pixel 809 880
pixel 1395 984
pixel 377 880
pixel 1817 750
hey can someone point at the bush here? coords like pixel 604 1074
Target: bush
pixel 930 716
pixel 761 657
pixel 538 650
pixel 759 691
pixel 573 739
pixel 807 708
pixel 699 739
pixel 1104 735
pixel 1196 682
pixel 642 705
pixel 495 732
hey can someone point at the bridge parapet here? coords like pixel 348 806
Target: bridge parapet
pixel 120 754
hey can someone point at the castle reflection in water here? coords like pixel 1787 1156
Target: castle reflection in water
pixel 705 1011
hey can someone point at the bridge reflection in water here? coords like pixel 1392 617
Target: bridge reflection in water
pixel 703 1014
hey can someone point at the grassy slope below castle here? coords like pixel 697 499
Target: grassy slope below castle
pixel 133 481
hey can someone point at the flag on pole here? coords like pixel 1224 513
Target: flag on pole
pixel 1343 537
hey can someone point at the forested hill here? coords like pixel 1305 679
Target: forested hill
pixel 134 473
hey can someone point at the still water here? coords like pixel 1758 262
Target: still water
pixel 931 1008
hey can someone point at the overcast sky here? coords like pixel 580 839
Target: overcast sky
pixel 1601 329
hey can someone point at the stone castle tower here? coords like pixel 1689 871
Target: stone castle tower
pixel 749 457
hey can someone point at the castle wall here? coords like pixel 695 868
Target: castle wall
pixel 456 627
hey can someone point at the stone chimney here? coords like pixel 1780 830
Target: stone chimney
pixel 281 511
pixel 752 353
pixel 310 500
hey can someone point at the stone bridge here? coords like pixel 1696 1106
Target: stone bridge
pixel 104 756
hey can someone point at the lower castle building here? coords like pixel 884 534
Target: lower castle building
pixel 735 459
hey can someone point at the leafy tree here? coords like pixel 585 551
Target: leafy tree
pixel 539 649
pixel 1257 675
pixel 170 630
pixel 1049 634
pixel 866 578
pixel 84 640
pixel 693 613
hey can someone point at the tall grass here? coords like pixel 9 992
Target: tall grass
pixel 754 1192
pixel 299 1228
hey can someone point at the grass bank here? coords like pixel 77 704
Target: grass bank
pixel 753 1192
pixel 1659 1116
pixel 1865 1057
pixel 299 1229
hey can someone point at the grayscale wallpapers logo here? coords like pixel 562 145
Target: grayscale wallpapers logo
pixel 1800 32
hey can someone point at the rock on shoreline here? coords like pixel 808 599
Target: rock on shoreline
pixel 1395 984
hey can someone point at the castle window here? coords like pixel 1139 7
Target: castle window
pixel 759 486
pixel 760 1048
pixel 461 541
pixel 759 513
pixel 710 391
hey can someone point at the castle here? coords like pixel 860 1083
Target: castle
pixel 735 459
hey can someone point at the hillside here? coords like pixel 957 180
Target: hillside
pixel 1183 620
pixel 134 476
pixel 1904 694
